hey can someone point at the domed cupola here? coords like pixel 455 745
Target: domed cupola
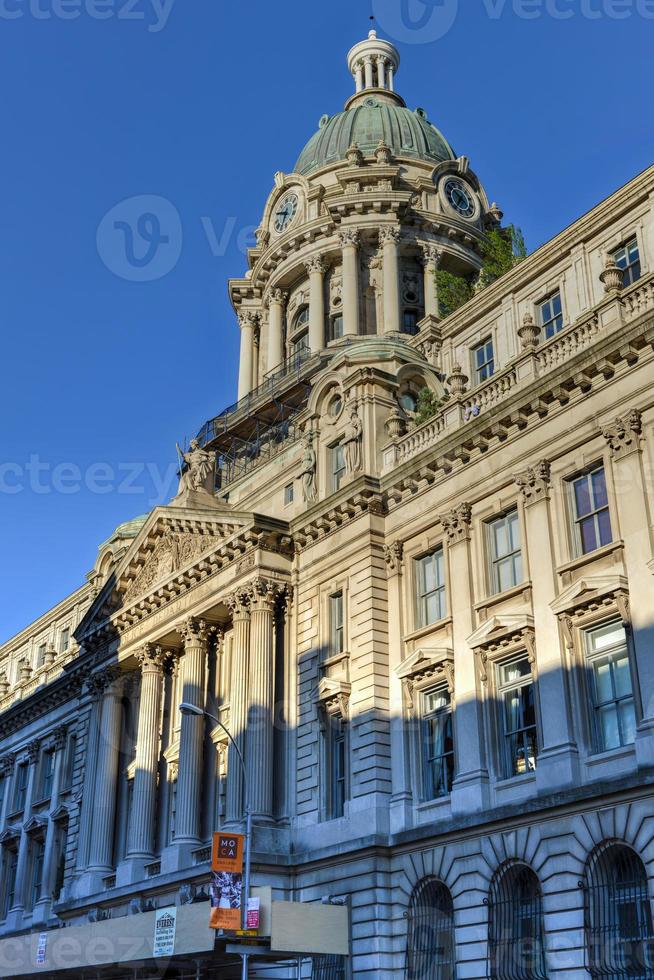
pixel 374 114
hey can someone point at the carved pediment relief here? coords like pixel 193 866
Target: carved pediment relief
pixel 587 589
pixel 173 551
pixel 425 666
pixel 498 629
pixel 334 696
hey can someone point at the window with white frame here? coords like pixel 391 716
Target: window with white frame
pixel 337 457
pixel 505 555
pixel 337 758
pixel 590 511
pixel 550 314
pixel 40 655
pixel 336 620
pixel 430 588
pixel 517 705
pixel 611 688
pixel 483 361
pixel 64 640
pixel 335 327
pixel 289 494
pixel 627 258
pixel 437 743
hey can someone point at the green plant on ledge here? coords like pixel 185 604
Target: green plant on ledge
pixel 427 407
pixel 501 252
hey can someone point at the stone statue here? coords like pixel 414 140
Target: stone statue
pixel 352 442
pixel 308 471
pixel 199 466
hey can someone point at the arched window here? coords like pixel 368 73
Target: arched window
pixel 430 938
pixel 515 925
pixel 300 333
pixel 619 916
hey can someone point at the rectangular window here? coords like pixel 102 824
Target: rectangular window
pixel 612 697
pixel 338 766
pixel 628 258
pixel 20 792
pixel 518 716
pixel 505 553
pixel 64 641
pixel 336 636
pixel 47 775
pixel 483 361
pixel 289 494
pixel 40 655
pixel 410 322
pixel 71 749
pixel 551 315
pixel 38 853
pixel 590 504
pixel 336 327
pixel 437 743
pixel 62 842
pixel 10 866
pixel 300 346
pixel 338 466
pixel 430 585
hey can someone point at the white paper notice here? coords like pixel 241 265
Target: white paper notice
pixel 165 922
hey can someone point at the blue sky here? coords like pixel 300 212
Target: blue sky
pixel 199 103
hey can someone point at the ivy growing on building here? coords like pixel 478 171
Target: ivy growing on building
pixel 501 252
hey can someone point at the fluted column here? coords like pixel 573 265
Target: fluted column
pixel 430 259
pixel 349 239
pixel 389 238
pixel 260 707
pixel 238 602
pixel 316 270
pixel 103 807
pixel 247 324
pixel 140 839
pixel 49 859
pixel 33 752
pixel 189 780
pixel 367 67
pixel 276 302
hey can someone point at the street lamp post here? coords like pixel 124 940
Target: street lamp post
pixel 192 709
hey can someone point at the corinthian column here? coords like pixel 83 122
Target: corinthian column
pixel 260 713
pixel 389 238
pixel 245 367
pixel 238 602
pixel 103 807
pixel 189 781
pixel 140 839
pixel 349 240
pixel 276 302
pixel 430 259
pixel 316 269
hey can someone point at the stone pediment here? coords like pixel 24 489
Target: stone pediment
pixel 425 660
pixel 500 627
pixel 588 588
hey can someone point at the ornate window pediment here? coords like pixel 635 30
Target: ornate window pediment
pixel 500 634
pixel 61 813
pixel 334 697
pixel 590 589
pixel 427 665
pixel 10 834
pixel 35 825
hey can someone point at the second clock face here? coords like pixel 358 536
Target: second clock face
pixel 285 212
pixel 460 198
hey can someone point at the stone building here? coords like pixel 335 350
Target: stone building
pixel 431 637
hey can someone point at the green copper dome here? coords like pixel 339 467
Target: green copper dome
pixel 408 133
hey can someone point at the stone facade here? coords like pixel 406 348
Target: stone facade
pixel 432 642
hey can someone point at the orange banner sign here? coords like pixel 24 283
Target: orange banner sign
pixel 227 853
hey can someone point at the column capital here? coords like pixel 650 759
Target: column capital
pixel 623 434
pixel 389 234
pixel 7 764
pixel 315 264
pixel 431 254
pixel 194 631
pixel 535 481
pixel 263 593
pixel 152 658
pixel 238 602
pixel 394 556
pixel 33 751
pixel 278 296
pixel 457 523
pixel 59 737
pixel 99 682
pixel 349 236
pixel 248 318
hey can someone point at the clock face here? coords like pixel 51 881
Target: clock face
pixel 460 198
pixel 286 211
